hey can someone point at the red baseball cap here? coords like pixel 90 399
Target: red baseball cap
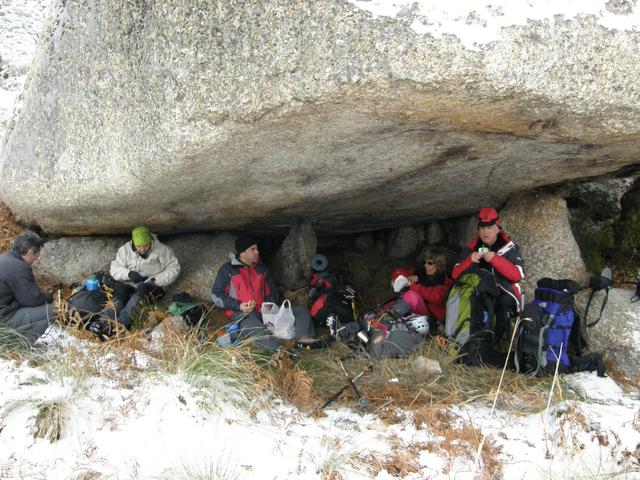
pixel 488 217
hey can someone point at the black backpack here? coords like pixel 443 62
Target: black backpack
pixel 331 294
pixel 88 304
pixel 389 336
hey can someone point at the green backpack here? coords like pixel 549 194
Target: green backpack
pixel 458 317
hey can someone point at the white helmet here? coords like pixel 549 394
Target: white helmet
pixel 419 323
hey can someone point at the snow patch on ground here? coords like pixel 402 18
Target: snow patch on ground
pixel 132 423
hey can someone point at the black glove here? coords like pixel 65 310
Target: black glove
pixel 144 289
pixel 135 277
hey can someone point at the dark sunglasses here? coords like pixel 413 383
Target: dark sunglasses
pixel 429 262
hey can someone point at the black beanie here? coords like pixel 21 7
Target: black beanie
pixel 244 242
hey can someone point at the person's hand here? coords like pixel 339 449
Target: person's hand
pixel 247 306
pixel 144 289
pixel 476 257
pixel 412 279
pixel 488 257
pixel 135 277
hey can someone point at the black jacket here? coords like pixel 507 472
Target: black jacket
pixel 17 286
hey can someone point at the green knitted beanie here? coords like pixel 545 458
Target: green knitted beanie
pixel 141 236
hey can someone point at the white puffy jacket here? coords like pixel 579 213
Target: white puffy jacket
pixel 160 263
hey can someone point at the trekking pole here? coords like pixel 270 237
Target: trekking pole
pixel 362 402
pixel 477 460
pixel 553 384
pixel 349 384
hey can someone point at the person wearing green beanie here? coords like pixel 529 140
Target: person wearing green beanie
pixel 145 266
pixel 141 236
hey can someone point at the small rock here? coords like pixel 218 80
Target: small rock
pixel 363 241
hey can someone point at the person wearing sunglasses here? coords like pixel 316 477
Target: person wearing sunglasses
pixel 432 283
pixel 426 287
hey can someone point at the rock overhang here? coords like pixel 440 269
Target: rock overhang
pixel 306 112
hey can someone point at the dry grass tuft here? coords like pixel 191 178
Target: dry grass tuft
pixel 290 382
pixel 51 420
pixel 409 384
pixel 457 438
pixel 12 344
pixel 613 371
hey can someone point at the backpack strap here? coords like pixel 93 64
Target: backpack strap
pixel 586 309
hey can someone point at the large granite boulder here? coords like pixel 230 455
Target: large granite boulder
pixel 292 262
pixel 256 115
pixel 72 259
pixel 201 256
pixel 402 242
pixel 618 332
pixel 539 224
pixel 601 197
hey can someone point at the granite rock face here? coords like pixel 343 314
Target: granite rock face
pixel 292 262
pixel 539 224
pixel 618 332
pixel 258 115
pixel 73 259
pixel 402 242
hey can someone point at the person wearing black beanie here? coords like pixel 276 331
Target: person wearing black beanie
pixel 242 285
pixel 243 242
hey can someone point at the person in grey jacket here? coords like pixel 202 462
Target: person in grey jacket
pixel 146 266
pixel 24 308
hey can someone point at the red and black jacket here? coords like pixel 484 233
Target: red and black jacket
pixel 237 283
pixel 433 290
pixel 507 266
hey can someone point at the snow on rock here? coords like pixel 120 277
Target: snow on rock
pixel 20 26
pixel 479 23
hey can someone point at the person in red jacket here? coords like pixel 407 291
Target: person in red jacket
pixel 242 285
pixel 427 286
pixel 493 251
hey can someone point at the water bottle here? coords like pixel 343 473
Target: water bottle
pixel 92 284
pixel 230 336
pixel 485 317
pixel 233 330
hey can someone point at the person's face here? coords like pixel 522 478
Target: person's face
pixel 251 255
pixel 143 249
pixel 430 266
pixel 30 257
pixel 489 235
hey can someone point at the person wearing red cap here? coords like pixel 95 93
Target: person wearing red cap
pixel 493 251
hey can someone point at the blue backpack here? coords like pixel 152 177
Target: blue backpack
pixel 547 324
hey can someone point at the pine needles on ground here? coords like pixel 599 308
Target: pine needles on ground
pixel 410 383
pixel 8 228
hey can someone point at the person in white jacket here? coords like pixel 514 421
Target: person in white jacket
pixel 147 266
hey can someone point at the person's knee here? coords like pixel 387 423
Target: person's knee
pixel 251 327
pixel 303 322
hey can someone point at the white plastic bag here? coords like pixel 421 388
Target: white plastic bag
pixel 269 313
pixel 284 326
